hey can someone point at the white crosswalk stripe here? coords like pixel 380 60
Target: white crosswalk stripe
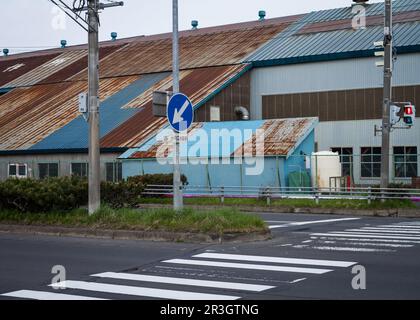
pixel 207 285
pixel 142 291
pixel 368 238
pixel 314 262
pixel 44 295
pixel 247 266
pixel 185 282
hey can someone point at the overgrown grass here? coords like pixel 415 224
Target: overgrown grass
pixel 293 203
pixel 227 220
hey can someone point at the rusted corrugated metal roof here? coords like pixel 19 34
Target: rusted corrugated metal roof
pixel 47 69
pixel 197 49
pixel 11 69
pixel 28 115
pixel 198 84
pixel 281 137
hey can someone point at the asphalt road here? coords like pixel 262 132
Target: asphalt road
pixel 309 257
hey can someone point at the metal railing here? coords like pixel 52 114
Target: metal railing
pixel 273 193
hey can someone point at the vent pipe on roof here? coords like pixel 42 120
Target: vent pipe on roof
pixel 63 43
pixel 194 24
pixel 362 2
pixel 114 36
pixel 6 52
pixel 262 15
pixel 242 113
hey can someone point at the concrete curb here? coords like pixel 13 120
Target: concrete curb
pixel 399 212
pixel 134 235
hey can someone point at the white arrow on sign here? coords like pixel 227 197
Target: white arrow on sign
pixel 178 114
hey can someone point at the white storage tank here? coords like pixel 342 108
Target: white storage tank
pixel 324 165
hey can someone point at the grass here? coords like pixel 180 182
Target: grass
pixel 294 203
pixel 226 220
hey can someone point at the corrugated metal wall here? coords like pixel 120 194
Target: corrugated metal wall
pixel 328 76
pixel 358 134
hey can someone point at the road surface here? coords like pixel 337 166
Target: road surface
pixel 309 257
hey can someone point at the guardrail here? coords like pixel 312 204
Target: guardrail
pixel 271 193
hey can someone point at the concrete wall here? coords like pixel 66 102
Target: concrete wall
pixel 64 161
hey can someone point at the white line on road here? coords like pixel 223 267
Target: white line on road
pixel 384 231
pixel 400 226
pixel 43 295
pixel 414 236
pixel 314 262
pixel 184 281
pixel 352 249
pixel 142 291
pixel 375 244
pixel 367 240
pixel 303 223
pixel 342 234
pixel 247 266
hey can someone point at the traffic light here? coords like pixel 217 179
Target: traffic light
pixel 409 116
pixel 395 115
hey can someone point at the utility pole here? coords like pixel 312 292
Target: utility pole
pixel 387 95
pixel 178 198
pixel 93 93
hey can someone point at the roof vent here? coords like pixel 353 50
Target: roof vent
pixel 114 36
pixel 63 43
pixel 242 113
pixel 262 15
pixel 362 2
pixel 194 24
pixel 6 52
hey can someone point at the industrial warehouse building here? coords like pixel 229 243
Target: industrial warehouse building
pixel 304 66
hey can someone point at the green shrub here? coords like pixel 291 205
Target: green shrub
pixel 26 195
pixel 68 193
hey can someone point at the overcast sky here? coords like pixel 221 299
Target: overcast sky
pixel 35 24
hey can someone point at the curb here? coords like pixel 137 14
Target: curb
pixel 396 213
pixel 135 235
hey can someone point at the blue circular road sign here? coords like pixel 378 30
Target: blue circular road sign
pixel 180 112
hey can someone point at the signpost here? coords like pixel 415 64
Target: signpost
pixel 180 116
pixel 180 113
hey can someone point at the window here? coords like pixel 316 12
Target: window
pixel 79 169
pixel 18 170
pixel 370 162
pixel 113 171
pixel 405 162
pixel 346 159
pixel 47 170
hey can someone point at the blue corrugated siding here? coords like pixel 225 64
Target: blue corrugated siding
pixel 288 48
pixel 75 134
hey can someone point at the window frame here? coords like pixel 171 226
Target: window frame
pixel 343 155
pixel 405 161
pixel 48 170
pixel 86 164
pixel 116 171
pixel 17 174
pixel 371 162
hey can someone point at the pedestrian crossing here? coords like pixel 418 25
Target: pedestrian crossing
pixel 161 280
pixel 368 238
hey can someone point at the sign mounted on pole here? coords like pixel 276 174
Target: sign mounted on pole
pixel 180 112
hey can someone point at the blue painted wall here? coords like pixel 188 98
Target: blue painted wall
pixel 275 173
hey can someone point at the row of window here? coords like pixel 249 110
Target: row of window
pixel 46 170
pixel 405 161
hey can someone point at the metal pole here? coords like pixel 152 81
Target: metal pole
pixel 178 199
pixel 386 127
pixel 93 77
